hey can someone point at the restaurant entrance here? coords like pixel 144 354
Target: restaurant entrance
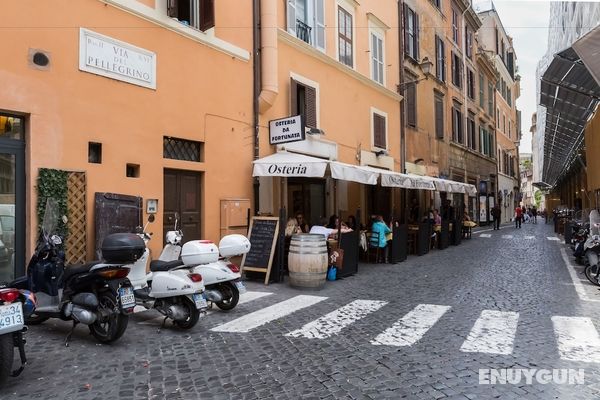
pixel 307 197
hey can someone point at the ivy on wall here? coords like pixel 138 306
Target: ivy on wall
pixel 53 183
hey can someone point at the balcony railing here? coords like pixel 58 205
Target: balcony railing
pixel 303 31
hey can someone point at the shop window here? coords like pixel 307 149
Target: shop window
pixel 379 131
pixel 95 153
pixel 181 149
pixel 198 14
pixel 304 103
pixel 132 171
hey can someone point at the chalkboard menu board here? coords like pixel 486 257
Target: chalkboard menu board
pixel 263 238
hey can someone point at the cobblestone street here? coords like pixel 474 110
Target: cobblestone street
pixel 421 329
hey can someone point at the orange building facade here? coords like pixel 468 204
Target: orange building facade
pixel 141 98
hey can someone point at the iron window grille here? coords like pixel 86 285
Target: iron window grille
pixel 181 149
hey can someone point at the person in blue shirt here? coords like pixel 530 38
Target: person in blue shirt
pixel 382 229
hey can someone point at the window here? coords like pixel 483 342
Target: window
pixel 469 42
pixel 411 33
pixel 345 37
pixel 379 131
pixel 437 3
pixel 440 59
pixel 455 30
pixel 199 14
pixel 504 123
pixel 456 70
pixel 181 149
pixel 471 132
pixel 306 20
pixel 509 97
pixel 132 170
pixel 457 125
pixel 497 118
pixel 486 142
pixel 439 115
pixel 411 101
pixel 481 91
pixel 504 89
pixel 471 84
pixel 304 103
pixel 377 62
pixel 509 129
pixel 94 153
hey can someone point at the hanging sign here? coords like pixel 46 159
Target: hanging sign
pixel 286 130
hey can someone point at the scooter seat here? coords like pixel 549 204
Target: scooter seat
pixel 78 269
pixel 162 266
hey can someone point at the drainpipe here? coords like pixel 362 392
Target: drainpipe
pixel 268 49
pixel 401 80
pixel 255 94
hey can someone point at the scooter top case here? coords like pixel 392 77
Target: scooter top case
pixel 234 245
pixel 197 252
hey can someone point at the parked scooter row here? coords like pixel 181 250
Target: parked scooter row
pixel 585 244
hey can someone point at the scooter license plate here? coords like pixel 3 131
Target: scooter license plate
pixel 200 301
pixel 11 318
pixel 240 287
pixel 127 297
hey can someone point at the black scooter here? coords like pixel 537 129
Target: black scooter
pixel 97 294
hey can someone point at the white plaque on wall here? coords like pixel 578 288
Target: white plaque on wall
pixel 103 55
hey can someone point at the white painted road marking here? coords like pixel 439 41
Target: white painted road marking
pixel 553 238
pixel 410 329
pixel 579 288
pixel 485 235
pixel 577 339
pixel 507 236
pixel 268 314
pixel 530 237
pixel 333 323
pixel 244 298
pixel 493 332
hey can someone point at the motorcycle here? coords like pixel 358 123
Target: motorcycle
pixel 170 288
pixel 97 294
pixel 15 305
pixel 592 250
pixel 222 278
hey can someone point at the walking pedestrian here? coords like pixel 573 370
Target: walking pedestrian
pixel 497 214
pixel 534 212
pixel 518 217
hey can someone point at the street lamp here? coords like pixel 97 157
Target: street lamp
pixel 425 66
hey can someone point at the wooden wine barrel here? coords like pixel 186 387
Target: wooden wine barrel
pixel 307 261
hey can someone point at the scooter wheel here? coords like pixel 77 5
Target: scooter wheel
pixel 7 349
pixel 35 319
pixel 231 296
pixel 112 326
pixel 193 314
pixel 591 272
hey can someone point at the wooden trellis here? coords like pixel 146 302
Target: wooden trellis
pixel 75 246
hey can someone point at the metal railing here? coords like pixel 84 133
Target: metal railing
pixel 303 31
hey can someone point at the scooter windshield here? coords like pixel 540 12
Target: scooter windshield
pixel 594 222
pixel 50 222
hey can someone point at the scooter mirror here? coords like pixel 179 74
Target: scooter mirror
pixel 151 218
pixel 65 219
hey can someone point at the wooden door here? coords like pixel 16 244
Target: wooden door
pixel 182 199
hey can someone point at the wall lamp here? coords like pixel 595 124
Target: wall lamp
pixel 315 131
pixel 381 153
pixel 425 65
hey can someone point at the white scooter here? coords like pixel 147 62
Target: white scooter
pixel 169 287
pixel 222 278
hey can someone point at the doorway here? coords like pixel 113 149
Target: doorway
pixel 12 196
pixel 379 201
pixel 182 191
pixel 307 197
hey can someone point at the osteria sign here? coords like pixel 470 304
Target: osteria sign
pixel 112 58
pixel 286 130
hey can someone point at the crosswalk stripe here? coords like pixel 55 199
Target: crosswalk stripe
pixel 244 298
pixel 493 332
pixel 529 237
pixel 333 323
pixel 552 238
pixel 507 236
pixel 577 339
pixel 485 235
pixel 410 328
pixel 268 314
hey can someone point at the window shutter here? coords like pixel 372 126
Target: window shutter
pixel 172 8
pixel 320 24
pixel 291 16
pixel 311 107
pixel 406 38
pixel 416 42
pixel 207 14
pixel 411 104
pixel 439 118
pixel 294 97
pixel 379 131
pixel 443 46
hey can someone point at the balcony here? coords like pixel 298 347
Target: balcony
pixel 303 31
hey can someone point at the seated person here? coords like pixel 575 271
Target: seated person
pixel 302 224
pixel 382 229
pixel 322 230
pixel 292 227
pixel 467 221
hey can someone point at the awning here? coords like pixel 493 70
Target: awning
pixel 290 165
pixel 570 94
pixel 353 173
